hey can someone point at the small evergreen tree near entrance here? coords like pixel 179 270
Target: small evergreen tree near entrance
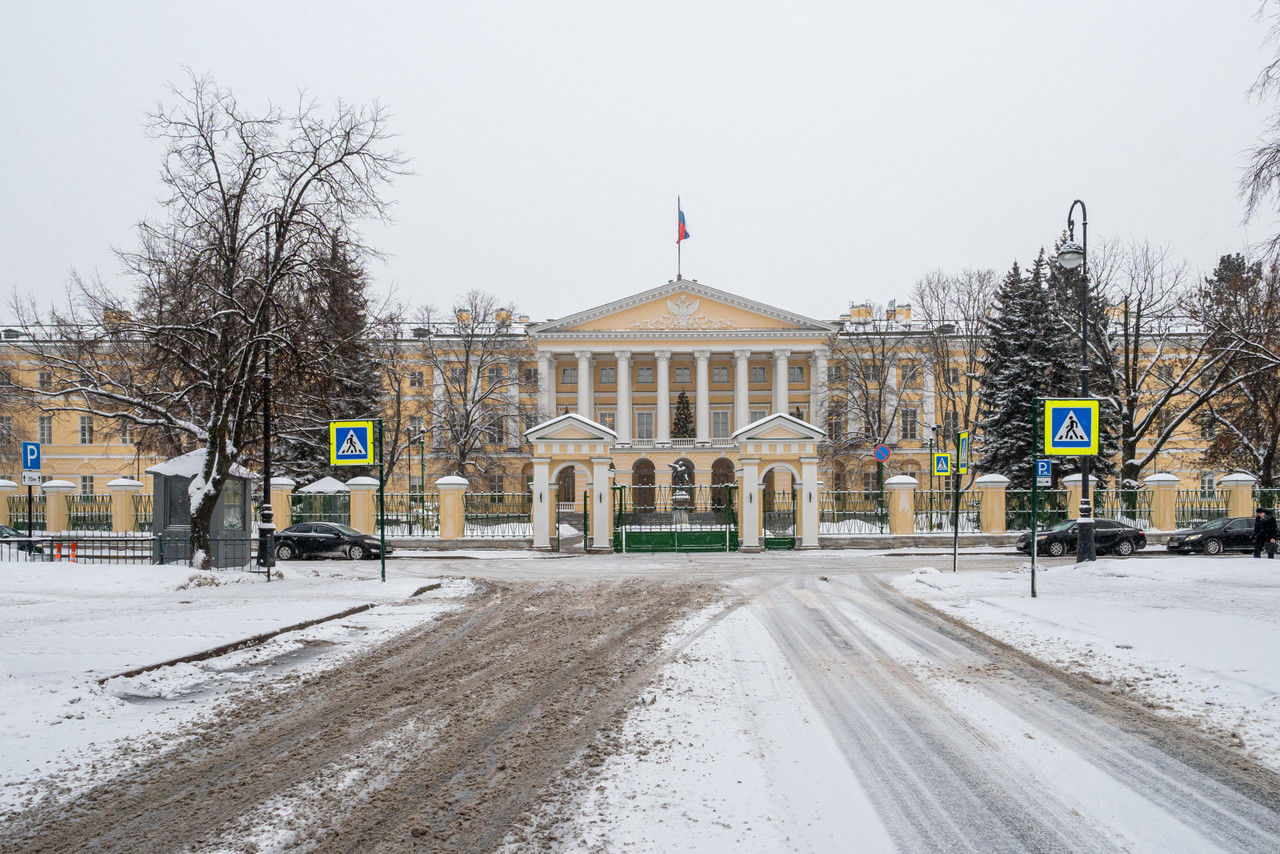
pixel 683 427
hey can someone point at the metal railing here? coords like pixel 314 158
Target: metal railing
pixel 89 512
pixel 852 512
pixel 1193 507
pixel 1131 506
pixel 933 511
pixel 1051 507
pixel 228 552
pixel 142 512
pixel 498 514
pixel 412 514
pixel 320 508
pixel 684 508
pixel 18 512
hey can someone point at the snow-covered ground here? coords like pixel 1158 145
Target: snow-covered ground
pixel 64 626
pixel 1191 637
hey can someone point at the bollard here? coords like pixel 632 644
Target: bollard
pixel 57 551
pixel 73 551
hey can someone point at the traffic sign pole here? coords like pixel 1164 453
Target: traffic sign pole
pixel 1035 429
pixel 382 506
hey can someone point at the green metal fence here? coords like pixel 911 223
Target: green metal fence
pixel 142 512
pixel 320 508
pixel 1193 507
pixel 412 514
pixel 498 514
pixel 1261 497
pixel 852 512
pixel 675 518
pixel 1051 508
pixel 1132 506
pixel 778 511
pixel 18 512
pixel 89 512
pixel 933 511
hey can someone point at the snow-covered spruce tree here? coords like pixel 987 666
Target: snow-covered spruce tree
pixel 682 423
pixel 252 199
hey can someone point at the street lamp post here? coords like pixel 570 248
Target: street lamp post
pixel 1072 255
pixel 266 520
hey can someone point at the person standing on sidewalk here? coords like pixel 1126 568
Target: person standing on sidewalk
pixel 1264 533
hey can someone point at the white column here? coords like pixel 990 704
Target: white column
pixel 749 536
pixel 513 404
pixel 546 385
pixel 741 389
pixel 891 404
pixel 818 389
pixel 930 416
pixel 808 497
pixel 439 431
pixel 662 374
pixel 584 384
pixel 542 498
pixel 702 396
pixel 601 532
pixel 622 421
pixel 781 385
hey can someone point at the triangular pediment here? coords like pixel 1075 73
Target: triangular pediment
pixel 683 306
pixel 570 427
pixel 779 427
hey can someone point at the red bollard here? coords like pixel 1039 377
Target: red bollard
pixel 57 550
pixel 73 551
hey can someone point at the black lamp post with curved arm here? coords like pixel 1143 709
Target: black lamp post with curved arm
pixel 1073 255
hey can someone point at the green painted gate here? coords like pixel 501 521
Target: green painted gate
pixel 675 519
pixel 779 518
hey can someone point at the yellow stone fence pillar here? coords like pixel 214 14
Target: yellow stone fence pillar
pixel 7 488
pixel 1071 483
pixel 123 518
pixel 1164 495
pixel 453 506
pixel 56 513
pixel 364 504
pixel 1239 487
pixel 992 507
pixel 901 491
pixel 282 502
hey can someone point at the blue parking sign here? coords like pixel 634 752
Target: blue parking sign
pixel 31 456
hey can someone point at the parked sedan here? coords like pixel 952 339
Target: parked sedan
pixel 23 544
pixel 1229 534
pixel 1109 536
pixel 325 539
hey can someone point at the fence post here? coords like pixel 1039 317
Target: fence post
pixel 601 518
pixel 56 513
pixel 749 501
pixel 7 488
pixel 992 508
pixel 1164 496
pixel 282 502
pixel 1239 487
pixel 122 489
pixel 364 498
pixel 1071 483
pixel 453 506
pixel 902 503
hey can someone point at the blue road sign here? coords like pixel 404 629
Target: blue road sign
pixel 351 443
pixel 1044 469
pixel 31 456
pixel 941 465
pixel 962 458
pixel 1071 427
pixel 883 453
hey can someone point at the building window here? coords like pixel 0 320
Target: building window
pixel 126 434
pixel 682 374
pixel 495 429
pixel 719 424
pixel 835 425
pixel 415 379
pixel 86 429
pixel 496 483
pixel 495 376
pixel 948 425
pixel 529 376
pixel 568 376
pixel 1208 429
pixel 44 429
pixel 720 374
pixel 608 375
pixel 415 427
pixel 644 425
pixel 835 373
pixel 86 484
pixel 869 483
pixel 531 420
pixel 795 373
pixel 1208 483
pixel 909 374
pixel 608 418
pixel 45 380
pixel 6 429
pixel 910 424
pixel 644 375
pixel 457 376
pixel 756 414
pixel 953 377
pixel 757 373
pixel 800 412
pixel 415 484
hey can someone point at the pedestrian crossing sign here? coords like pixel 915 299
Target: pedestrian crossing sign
pixel 1071 428
pixel 962 458
pixel 351 443
pixel 941 465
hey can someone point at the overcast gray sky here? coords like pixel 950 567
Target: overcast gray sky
pixel 825 152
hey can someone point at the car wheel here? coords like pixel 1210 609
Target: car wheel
pixel 1057 548
pixel 284 551
pixel 1213 547
pixel 355 551
pixel 1124 548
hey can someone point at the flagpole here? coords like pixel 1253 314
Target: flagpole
pixel 679 242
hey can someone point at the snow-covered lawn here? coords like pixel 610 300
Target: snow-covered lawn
pixel 64 626
pixel 1191 637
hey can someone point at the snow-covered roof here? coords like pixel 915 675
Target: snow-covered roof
pixel 326 486
pixel 191 464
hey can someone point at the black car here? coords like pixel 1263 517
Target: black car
pixel 328 539
pixel 23 544
pixel 1109 536
pixel 1229 534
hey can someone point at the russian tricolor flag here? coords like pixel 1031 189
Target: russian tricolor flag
pixel 682 232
